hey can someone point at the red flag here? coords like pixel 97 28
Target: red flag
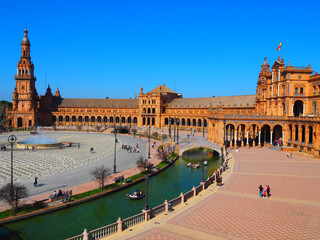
pixel 279 46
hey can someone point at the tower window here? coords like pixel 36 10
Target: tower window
pixel 301 90
pixel 296 90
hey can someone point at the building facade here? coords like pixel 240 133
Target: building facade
pixel 285 107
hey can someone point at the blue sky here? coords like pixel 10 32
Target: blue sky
pixel 197 48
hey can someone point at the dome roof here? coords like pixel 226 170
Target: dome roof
pixel 25 39
pixel 265 62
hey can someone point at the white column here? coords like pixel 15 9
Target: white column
pixel 247 138
pixel 278 89
pixel 270 137
pixel 17 71
pixel 272 76
pixel 259 137
pixel 271 91
pixel 283 137
pixel 304 107
pixel 278 75
pixel 235 136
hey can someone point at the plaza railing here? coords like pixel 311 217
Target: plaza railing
pixel 146 215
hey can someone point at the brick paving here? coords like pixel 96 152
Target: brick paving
pixel 236 211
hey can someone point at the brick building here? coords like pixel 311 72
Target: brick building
pixel 285 106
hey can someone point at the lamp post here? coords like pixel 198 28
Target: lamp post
pixel 174 129
pixel 146 206
pixel 149 141
pixel 178 122
pixel 12 139
pixel 115 147
pixel 202 161
pixel 224 134
pixel 170 119
pixel 203 127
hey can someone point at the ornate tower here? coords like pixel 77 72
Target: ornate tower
pixel 264 75
pixel 25 94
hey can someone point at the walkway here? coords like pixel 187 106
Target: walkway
pixel 235 211
pixel 75 164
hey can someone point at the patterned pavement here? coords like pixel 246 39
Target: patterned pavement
pixel 28 164
pixel 236 211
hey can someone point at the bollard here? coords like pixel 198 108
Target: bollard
pixel 194 191
pixel 166 205
pixel 119 224
pixel 85 234
pixel 182 197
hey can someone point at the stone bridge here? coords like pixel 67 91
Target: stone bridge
pixel 186 144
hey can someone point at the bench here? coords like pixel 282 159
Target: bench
pixel 118 179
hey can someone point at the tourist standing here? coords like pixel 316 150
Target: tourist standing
pixel 260 190
pixel 265 190
pixel 268 191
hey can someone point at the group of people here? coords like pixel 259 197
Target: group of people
pixel 67 194
pixel 131 149
pixel 32 147
pixel 264 191
pixel 3 148
pixel 138 193
pixel 289 155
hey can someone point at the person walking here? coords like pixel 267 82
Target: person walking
pixel 35 182
pixel 260 190
pixel 268 191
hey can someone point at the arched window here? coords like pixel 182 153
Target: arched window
pixel 149 110
pixel 80 119
pixel 99 119
pixel 93 119
pixel 67 118
pixel 166 121
pixel 153 110
pixel 135 120
pixel 73 119
pixel 183 122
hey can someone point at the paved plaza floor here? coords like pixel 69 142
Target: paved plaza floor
pixel 67 167
pixel 236 211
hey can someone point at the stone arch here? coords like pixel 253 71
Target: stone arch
pixel 183 122
pixel 117 119
pixel 149 110
pixel 277 132
pixel 199 122
pixel 129 120
pixel 153 121
pixel 298 108
pixel 253 134
pixel 188 122
pixel 111 119
pixel 123 120
pixel 296 131
pixel 205 123
pixel 310 129
pixel 166 121
pixel 135 120
pixel 303 133
pixel 86 119
pixel 98 119
pixel 60 118
pixel 19 122
pixel 290 132
pixel 153 110
pixel 148 121
pixel 67 118
pixel 80 118
pixel 105 119
pixel 73 118
pixel 143 121
pixel 93 119
pixel 194 122
pixel 229 134
pixel 265 134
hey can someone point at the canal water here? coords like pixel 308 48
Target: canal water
pixel 101 212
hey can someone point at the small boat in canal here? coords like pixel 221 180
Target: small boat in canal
pixel 192 165
pixel 136 195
